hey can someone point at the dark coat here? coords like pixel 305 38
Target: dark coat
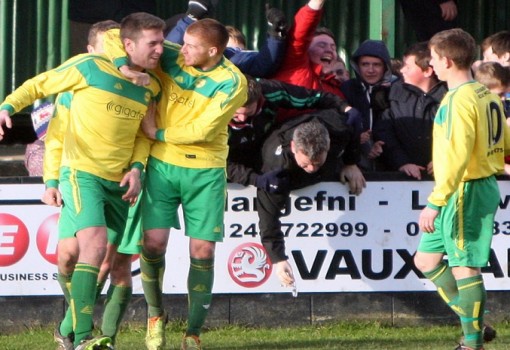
pixel 406 127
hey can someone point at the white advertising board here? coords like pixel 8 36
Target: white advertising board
pixel 335 242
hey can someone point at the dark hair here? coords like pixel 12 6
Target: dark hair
pixel 455 44
pixel 100 27
pixel 132 25
pixel 254 90
pixel 212 31
pixel 325 31
pixel 421 52
pixel 236 34
pixel 500 42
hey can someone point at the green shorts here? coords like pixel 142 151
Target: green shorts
pixel 464 227
pixel 91 201
pixel 201 192
pixel 132 238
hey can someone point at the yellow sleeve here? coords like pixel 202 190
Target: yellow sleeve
pixel 114 49
pixel 54 141
pixel 63 78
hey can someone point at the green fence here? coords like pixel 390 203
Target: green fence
pixel 34 34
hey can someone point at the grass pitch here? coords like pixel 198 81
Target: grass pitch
pixel 337 336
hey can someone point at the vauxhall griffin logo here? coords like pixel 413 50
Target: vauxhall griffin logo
pixel 249 265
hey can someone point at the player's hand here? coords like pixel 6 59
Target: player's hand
pixel 412 170
pixel 284 272
pixel 132 179
pixel 136 77
pixel 351 175
pixel 507 169
pixel 426 221
pixel 430 168
pixel 448 10
pixel 52 196
pixel 5 119
pixel 376 150
pixel 149 126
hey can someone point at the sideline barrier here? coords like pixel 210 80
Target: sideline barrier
pixel 336 242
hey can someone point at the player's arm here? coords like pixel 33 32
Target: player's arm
pixel 212 119
pixel 292 96
pixel 63 78
pixel 54 141
pixel 54 144
pixel 114 50
pixel 143 141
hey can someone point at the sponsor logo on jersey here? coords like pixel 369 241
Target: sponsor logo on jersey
pixel 124 111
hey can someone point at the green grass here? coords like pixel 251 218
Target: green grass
pixel 345 335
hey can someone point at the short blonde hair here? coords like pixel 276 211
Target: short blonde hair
pixel 493 75
pixel 455 44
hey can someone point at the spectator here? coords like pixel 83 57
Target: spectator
pixel 34 152
pixel 336 71
pixel 496 48
pixel 312 147
pixel 262 63
pixel 310 51
pixel 427 17
pixel 406 126
pixel 368 93
pixel 236 38
pixel 252 123
pixel 497 79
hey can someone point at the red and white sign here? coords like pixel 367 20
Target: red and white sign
pixel 335 242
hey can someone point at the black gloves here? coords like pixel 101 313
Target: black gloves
pixel 276 21
pixel 198 9
pixel 276 181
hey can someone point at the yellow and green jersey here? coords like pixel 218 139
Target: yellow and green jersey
pixel 195 109
pixel 103 135
pixel 54 143
pixel 470 139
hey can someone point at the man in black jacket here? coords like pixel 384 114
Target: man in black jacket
pixel 316 146
pixel 306 150
pixel 253 122
pixel 367 92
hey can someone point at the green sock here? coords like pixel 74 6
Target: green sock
pixel 66 326
pixel 65 284
pixel 83 299
pixel 200 283
pixel 99 288
pixel 446 284
pixel 117 300
pixel 153 271
pixel 472 296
